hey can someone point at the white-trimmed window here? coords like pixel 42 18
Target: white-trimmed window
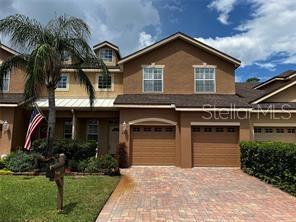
pixel 153 79
pixel 67 129
pixel 205 79
pixel 106 55
pixel 92 130
pixel 104 82
pixel 63 83
pixel 5 82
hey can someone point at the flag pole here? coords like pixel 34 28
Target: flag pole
pixel 36 106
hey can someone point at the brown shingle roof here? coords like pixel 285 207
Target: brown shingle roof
pixel 182 100
pixel 12 98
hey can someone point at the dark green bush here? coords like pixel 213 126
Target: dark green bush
pixel 273 162
pixel 73 149
pixel 2 164
pixel 93 165
pixel 122 155
pixel 20 161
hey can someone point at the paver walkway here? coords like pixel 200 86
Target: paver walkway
pixel 198 194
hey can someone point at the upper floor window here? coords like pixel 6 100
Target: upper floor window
pixel 63 82
pixel 5 82
pixel 104 82
pixel 205 80
pixel 68 129
pixel 106 55
pixel 152 79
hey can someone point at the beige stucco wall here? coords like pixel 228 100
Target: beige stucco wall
pixel 17 76
pixel 178 57
pixel 6 137
pixel 76 90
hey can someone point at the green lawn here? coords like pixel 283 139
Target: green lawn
pixel 34 198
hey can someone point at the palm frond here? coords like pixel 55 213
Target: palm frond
pixel 24 32
pixel 84 80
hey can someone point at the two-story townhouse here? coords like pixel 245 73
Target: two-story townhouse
pixel 13 118
pixel 174 102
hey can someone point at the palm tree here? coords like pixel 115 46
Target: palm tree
pixel 47 47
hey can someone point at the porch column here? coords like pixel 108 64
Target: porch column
pixel 74 121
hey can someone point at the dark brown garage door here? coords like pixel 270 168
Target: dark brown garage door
pixel 215 146
pixel 153 145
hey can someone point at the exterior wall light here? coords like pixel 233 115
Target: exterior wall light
pixel 124 127
pixel 5 125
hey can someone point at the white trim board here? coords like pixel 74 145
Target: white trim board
pixel 8 105
pixel 100 45
pixel 274 124
pixel 146 106
pixel 12 51
pixel 215 123
pixel 274 93
pixel 142 121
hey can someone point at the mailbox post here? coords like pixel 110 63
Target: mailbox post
pixel 56 173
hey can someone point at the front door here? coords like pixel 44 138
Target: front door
pixel 113 137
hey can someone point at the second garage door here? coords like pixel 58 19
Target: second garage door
pixel 282 134
pixel 215 146
pixel 153 145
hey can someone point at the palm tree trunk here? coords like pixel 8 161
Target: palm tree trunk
pixel 51 120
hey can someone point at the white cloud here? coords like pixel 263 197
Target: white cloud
pixel 270 32
pixel 268 65
pixel 224 7
pixel 145 39
pixel 120 22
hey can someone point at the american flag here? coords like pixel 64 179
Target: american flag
pixel 35 120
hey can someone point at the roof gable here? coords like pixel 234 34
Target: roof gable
pixel 106 43
pixel 8 49
pixel 186 38
pixel 281 77
pixel 270 93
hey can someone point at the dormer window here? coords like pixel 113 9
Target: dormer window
pixel 153 79
pixel 5 82
pixel 106 55
pixel 205 81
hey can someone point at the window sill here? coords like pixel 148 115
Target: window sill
pixel 62 90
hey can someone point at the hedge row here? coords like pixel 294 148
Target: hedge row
pixel 273 162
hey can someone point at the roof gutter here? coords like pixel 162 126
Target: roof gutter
pixel 9 105
pixel 146 106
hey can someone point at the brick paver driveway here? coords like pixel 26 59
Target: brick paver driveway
pixel 198 194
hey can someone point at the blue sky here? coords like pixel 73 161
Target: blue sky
pixel 251 30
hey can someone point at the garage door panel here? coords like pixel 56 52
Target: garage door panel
pixel 283 134
pixel 219 147
pixel 217 151
pixel 153 145
pixel 158 161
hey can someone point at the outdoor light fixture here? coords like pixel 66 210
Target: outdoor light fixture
pixel 5 125
pixel 124 127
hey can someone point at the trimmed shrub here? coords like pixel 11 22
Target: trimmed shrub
pixel 104 163
pixel 20 161
pixel 73 149
pixel 273 162
pixel 2 164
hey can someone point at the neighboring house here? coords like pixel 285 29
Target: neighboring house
pixel 174 102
